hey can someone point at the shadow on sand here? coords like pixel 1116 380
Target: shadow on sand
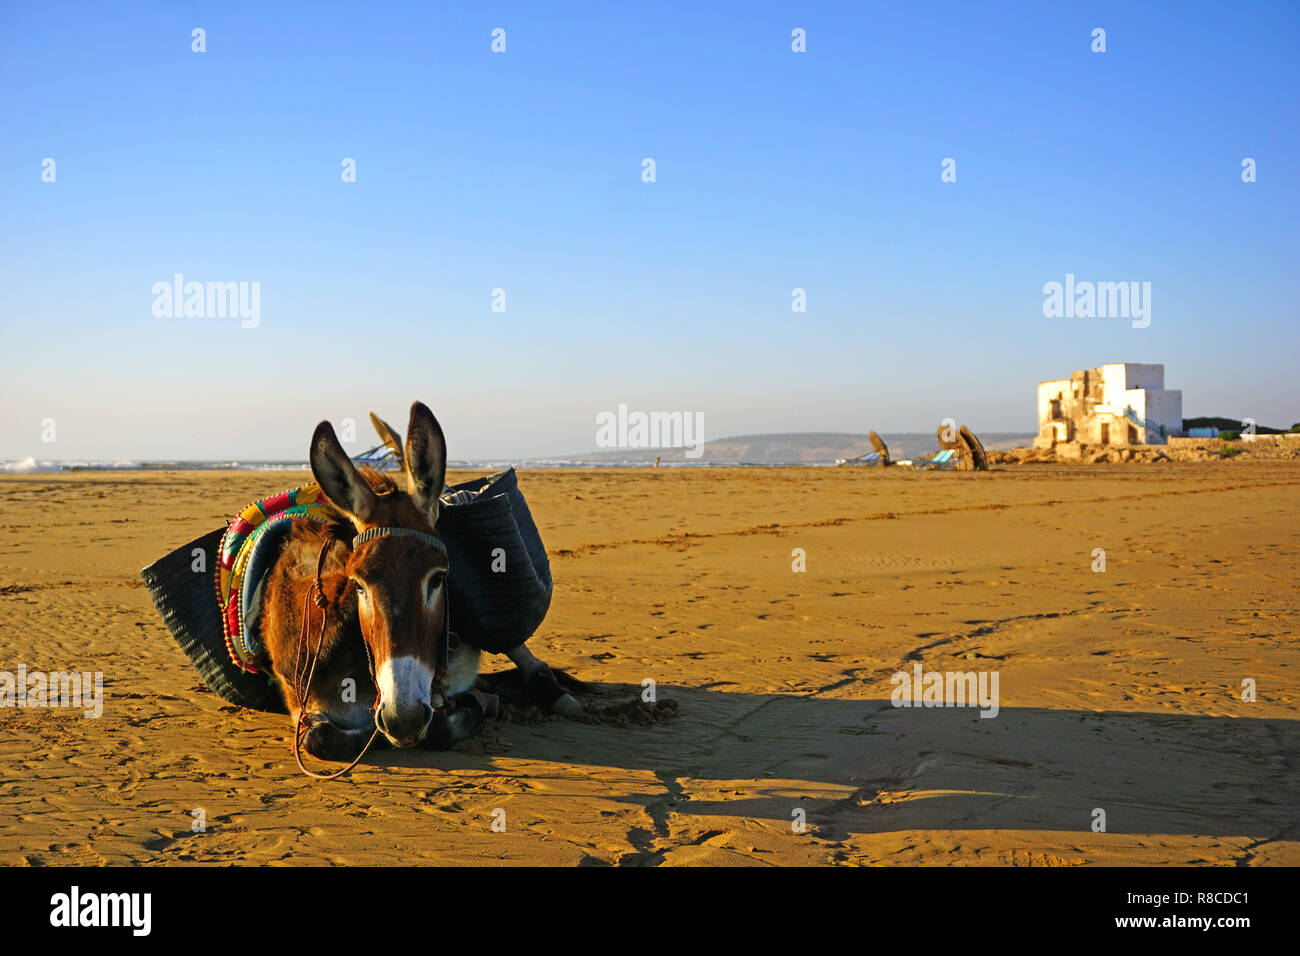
pixel 864 766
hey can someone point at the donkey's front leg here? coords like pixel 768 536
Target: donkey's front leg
pixel 461 721
pixel 541 685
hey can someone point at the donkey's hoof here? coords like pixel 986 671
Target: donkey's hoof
pixel 450 727
pixel 490 703
pixel 566 706
pixel 545 691
pixel 328 742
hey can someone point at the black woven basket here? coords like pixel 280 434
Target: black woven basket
pixel 500 609
pixel 499 587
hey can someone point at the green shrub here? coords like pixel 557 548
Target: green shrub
pixel 1229 436
pixel 1232 451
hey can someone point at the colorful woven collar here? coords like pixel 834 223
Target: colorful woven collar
pixel 238 544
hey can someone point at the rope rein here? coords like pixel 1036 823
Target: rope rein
pixel 323 603
pixel 317 589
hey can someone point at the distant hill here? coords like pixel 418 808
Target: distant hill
pixel 798 448
pixel 1231 425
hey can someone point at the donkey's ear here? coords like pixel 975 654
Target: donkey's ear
pixel 426 458
pixel 392 441
pixel 339 478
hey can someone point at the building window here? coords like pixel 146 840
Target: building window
pixel 1105 433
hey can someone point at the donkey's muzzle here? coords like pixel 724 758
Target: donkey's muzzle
pixel 404 726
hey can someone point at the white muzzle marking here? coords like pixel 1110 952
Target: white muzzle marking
pixel 404 682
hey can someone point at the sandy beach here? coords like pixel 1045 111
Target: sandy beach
pixel 1118 690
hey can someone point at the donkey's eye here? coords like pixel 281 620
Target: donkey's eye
pixel 436 581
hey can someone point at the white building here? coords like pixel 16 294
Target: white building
pixel 1121 404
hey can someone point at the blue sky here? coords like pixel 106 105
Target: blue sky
pixel 522 171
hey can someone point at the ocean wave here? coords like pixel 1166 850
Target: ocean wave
pixel 30 466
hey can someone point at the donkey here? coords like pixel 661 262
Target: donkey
pixel 538 680
pixel 354 614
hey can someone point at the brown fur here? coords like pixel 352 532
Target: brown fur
pixel 395 619
pixel 388 597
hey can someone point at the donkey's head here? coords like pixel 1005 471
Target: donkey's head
pixel 398 567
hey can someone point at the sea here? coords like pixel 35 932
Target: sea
pixel 901 445
pixel 32 466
